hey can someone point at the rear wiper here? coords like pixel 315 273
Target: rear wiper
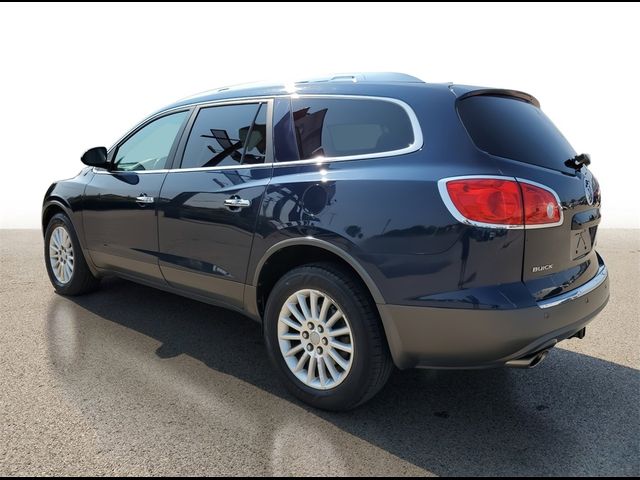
pixel 578 161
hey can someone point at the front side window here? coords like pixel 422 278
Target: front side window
pixel 227 135
pixel 149 147
pixel 341 127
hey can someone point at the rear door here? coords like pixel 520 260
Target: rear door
pixel 119 206
pixel 525 144
pixel 211 199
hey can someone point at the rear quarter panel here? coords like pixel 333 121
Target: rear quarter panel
pixel 387 214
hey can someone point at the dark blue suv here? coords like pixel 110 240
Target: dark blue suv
pixel 365 220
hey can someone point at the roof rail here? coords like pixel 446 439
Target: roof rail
pixel 364 77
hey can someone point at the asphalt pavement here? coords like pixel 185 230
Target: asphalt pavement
pixel 134 381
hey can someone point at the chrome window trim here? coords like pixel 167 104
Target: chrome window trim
pixel 140 126
pixel 581 291
pixel 188 107
pixel 418 140
pixel 268 101
pixel 102 171
pixel 416 145
pixel 444 194
pixel 198 106
pixel 223 167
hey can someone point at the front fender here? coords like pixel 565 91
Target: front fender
pixel 67 196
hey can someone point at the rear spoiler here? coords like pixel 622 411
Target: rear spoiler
pixel 497 92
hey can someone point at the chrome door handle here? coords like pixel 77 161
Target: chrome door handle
pixel 236 202
pixel 144 199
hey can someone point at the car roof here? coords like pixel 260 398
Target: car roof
pixel 362 83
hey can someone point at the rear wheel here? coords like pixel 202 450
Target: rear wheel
pixel 66 265
pixel 325 338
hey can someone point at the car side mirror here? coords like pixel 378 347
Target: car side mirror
pixel 95 157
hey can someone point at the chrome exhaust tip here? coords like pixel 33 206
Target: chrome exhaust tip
pixel 530 361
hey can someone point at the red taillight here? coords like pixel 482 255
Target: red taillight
pixel 540 205
pixel 500 202
pixel 487 200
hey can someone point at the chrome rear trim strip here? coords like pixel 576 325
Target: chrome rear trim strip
pixel 591 285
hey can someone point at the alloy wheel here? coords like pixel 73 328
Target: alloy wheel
pixel 316 339
pixel 61 255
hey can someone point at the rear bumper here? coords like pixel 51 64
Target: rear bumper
pixel 433 337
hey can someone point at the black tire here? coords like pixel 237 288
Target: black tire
pixel 82 280
pixel 372 362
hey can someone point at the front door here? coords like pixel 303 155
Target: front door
pixel 119 211
pixel 209 204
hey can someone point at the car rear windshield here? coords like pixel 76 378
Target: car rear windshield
pixel 516 129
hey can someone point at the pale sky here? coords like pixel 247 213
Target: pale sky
pixel 73 77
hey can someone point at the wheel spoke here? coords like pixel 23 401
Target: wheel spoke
pixel 290 336
pixel 340 332
pixel 322 373
pixel 326 303
pixel 302 301
pixel 67 269
pixel 341 346
pixel 332 370
pixel 338 359
pixel 303 359
pixel 294 350
pixel 290 323
pixel 334 318
pixel 294 310
pixel 313 301
pixel 311 372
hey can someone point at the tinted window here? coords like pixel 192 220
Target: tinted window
pixel 515 129
pixel 149 147
pixel 335 127
pixel 220 134
pixel 256 142
pixel 284 139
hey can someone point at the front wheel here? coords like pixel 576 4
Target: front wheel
pixel 325 338
pixel 66 265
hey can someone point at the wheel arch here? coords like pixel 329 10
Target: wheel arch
pixel 289 251
pixel 50 208
pixel 55 205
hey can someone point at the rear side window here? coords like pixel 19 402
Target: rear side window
pixel 512 128
pixel 340 127
pixel 228 135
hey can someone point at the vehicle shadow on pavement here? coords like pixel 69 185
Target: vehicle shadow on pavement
pixel 573 415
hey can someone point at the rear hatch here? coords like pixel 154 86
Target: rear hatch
pixel 513 131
